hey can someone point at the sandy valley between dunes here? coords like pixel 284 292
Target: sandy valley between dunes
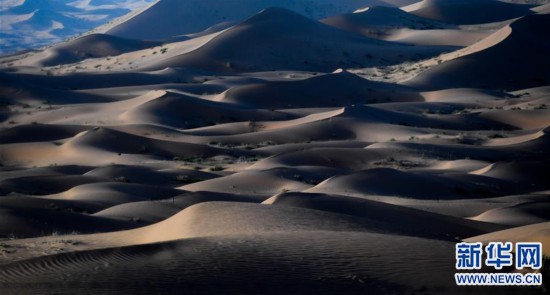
pixel 339 153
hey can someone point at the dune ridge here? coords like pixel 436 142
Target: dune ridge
pixel 275 147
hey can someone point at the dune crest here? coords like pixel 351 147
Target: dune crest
pixel 273 146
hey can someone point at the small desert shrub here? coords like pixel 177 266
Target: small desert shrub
pixel 266 143
pixel 217 168
pixel 496 135
pixel 122 179
pixel 187 179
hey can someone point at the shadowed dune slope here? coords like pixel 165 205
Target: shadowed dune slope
pixel 43 222
pixel 119 142
pixel 289 41
pixel 183 111
pixel 382 181
pixel 284 265
pixel 91 46
pixel 468 11
pixel 38 132
pixel 392 217
pixel 380 17
pixel 517 62
pixel 212 147
pixel 336 89
pixel 169 18
pixel 44 184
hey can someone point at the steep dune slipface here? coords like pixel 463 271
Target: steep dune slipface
pixel 264 159
pixel 397 25
pixel 379 18
pixel 468 11
pixel 517 62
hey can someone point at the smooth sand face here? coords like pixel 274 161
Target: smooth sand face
pixel 278 154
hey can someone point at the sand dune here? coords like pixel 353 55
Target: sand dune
pixel 17 89
pixel 525 172
pixel 166 110
pixel 323 90
pixel 118 142
pixel 533 120
pixel 468 11
pixel 40 222
pixel 441 37
pixel 114 193
pixel 498 64
pixel 224 219
pixel 374 20
pixel 394 24
pixel 292 40
pixel 381 182
pixel 265 183
pixel 89 46
pixel 239 148
pixel 146 175
pixel 342 158
pixel 516 215
pixel 387 216
pixel 239 263
pixel 542 8
pixel 44 184
pixel 38 132
pixel 169 18
pixel 149 212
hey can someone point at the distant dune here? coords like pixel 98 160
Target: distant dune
pixel 274 147
pixel 295 43
pixel 468 11
pixel 29 24
pixel 170 18
pixel 380 17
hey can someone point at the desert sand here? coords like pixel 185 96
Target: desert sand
pixel 292 147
